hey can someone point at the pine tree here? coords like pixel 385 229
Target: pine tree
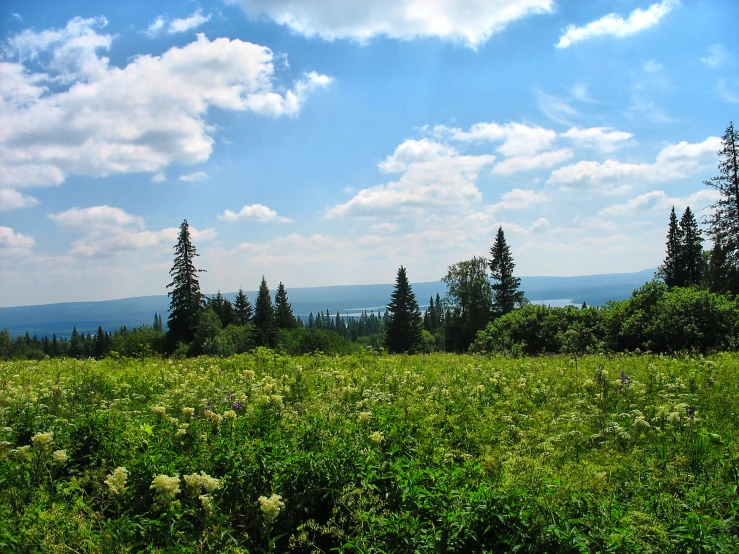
pixel 692 262
pixel 671 269
pixel 284 316
pixel 505 286
pixel 243 309
pixel 403 330
pixel 264 318
pixel 101 344
pixel 185 297
pixel 724 223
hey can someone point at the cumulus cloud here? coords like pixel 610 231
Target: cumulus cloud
pixel 530 163
pixel 604 139
pixel 659 201
pixel 717 56
pixel 197 176
pixel 540 225
pixel 433 177
pixel 471 22
pixel 163 25
pixel 14 244
pixel 518 199
pixel 652 67
pixel 675 161
pixel 517 139
pixel 159 177
pixel 255 212
pixel 109 231
pixel 616 26
pixel 12 200
pixel 138 118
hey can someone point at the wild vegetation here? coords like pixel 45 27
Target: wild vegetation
pixel 370 453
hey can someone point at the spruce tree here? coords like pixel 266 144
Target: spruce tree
pixel 243 309
pixel 185 297
pixel 264 318
pixel 101 343
pixel 671 269
pixel 284 316
pixel 505 285
pixel 404 325
pixel 724 223
pixel 692 262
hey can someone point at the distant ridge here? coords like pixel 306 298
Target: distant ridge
pixel 45 319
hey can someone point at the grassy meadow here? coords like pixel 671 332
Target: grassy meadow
pixel 370 453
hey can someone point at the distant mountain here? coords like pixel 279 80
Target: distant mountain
pixel 46 319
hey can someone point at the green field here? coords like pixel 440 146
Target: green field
pixel 370 453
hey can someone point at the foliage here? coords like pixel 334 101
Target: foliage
pixel 370 453
pixel 403 330
pixel 506 295
pixel 654 319
pixel 470 297
pixel 724 221
pixel 185 297
pixel 264 317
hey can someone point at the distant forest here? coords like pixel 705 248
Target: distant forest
pixel 691 305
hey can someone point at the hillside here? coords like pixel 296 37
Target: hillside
pixel 59 318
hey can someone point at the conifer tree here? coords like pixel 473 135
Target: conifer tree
pixel 692 262
pixel 506 295
pixel 243 308
pixel 264 317
pixel 284 316
pixel 671 268
pixel 185 297
pixel 404 326
pixel 100 343
pixel 724 223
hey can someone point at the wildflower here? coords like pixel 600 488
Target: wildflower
pixel 673 417
pixel 188 412
pixel 7 430
pixel 174 421
pixel 116 481
pixel 207 503
pixel 480 388
pixel 364 417
pixel 229 415
pixel 214 418
pixel 271 507
pixel 159 410
pixel 59 456
pixel 42 440
pixel 4 445
pixel 203 481
pixel 166 488
pixel 237 405
pixel 377 437
pixel 181 431
pixel 640 421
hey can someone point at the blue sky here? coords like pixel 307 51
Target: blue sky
pixel 323 142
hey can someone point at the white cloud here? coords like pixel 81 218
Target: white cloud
pixel 555 108
pixel 109 231
pixel 717 56
pixel 382 228
pixel 519 199
pixel 653 67
pixel 518 139
pixel 604 139
pixel 615 25
pixel 138 118
pixel 11 199
pixel 163 25
pixel 14 244
pixel 674 161
pixel 159 177
pixel 414 151
pixel 255 212
pixel 471 22
pixel 659 201
pixel 191 177
pixel 433 177
pixel 529 163
pixel 192 21
pixel 540 225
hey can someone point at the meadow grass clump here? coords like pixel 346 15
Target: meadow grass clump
pixel 370 452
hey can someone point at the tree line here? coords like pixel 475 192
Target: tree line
pixel 483 309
